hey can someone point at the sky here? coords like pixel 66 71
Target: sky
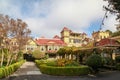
pixel 48 17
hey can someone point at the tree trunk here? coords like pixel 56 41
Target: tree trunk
pixel 16 56
pixel 8 60
pixel 11 59
pixel 2 59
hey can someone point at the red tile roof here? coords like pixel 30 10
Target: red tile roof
pixel 108 42
pixel 44 41
pixel 66 29
pixel 56 37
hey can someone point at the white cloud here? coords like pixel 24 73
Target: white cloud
pixel 48 17
pixel 7 8
pixel 75 14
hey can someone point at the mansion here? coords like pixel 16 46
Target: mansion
pixel 68 38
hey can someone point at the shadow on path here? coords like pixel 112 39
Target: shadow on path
pixel 102 76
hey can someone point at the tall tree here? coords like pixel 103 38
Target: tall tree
pixel 13 36
pixel 3 34
pixel 114 7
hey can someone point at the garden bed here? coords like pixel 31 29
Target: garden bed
pixel 65 71
pixel 45 68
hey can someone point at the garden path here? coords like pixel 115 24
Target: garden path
pixel 28 68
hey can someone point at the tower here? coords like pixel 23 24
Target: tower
pixel 65 33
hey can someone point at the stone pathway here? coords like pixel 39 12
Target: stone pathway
pixel 28 68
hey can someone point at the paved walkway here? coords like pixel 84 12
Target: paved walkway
pixel 29 71
pixel 28 68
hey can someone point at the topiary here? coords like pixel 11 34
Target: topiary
pixel 94 61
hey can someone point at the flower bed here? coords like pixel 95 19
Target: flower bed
pixel 5 71
pixel 63 71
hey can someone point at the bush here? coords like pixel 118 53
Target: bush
pixel 117 59
pixel 95 61
pixel 118 66
pixel 64 71
pixel 51 63
pixel 1 72
pixel 38 55
pixel 72 63
pixel 5 71
pixel 108 61
pixel 58 63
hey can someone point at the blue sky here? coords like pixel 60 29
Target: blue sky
pixel 48 17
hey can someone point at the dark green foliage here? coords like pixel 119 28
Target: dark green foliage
pixel 61 52
pixel 5 71
pixel 117 33
pixel 115 7
pixel 65 71
pixel 118 66
pixel 108 61
pixel 95 61
pixel 117 59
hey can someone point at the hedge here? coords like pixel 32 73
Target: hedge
pixel 6 71
pixel 64 71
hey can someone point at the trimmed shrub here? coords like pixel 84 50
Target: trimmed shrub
pixel 5 71
pixel 95 61
pixel 64 71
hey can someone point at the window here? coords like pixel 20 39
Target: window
pixel 42 49
pixel 28 48
pixel 76 41
pixel 55 49
pixel 31 48
pixel 49 48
